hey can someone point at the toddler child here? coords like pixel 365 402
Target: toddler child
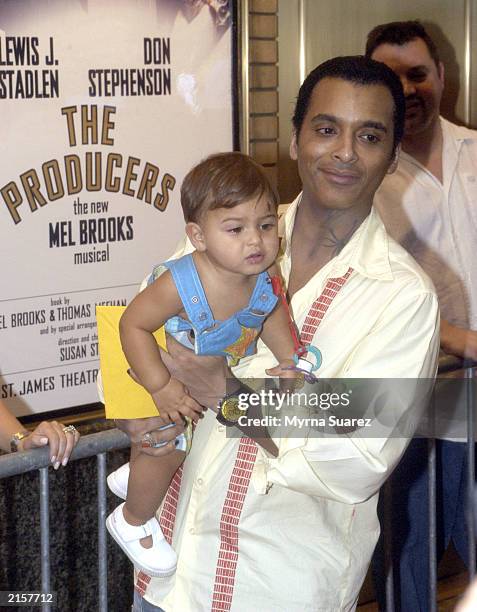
pixel 216 300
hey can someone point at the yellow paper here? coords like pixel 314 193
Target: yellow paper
pixel 123 398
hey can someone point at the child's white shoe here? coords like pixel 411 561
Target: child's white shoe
pixel 159 560
pixel 118 481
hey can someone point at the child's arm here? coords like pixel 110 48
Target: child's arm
pixel 277 336
pixel 149 310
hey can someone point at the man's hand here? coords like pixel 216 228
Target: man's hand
pixel 205 377
pixel 174 402
pixel 458 341
pixel 136 428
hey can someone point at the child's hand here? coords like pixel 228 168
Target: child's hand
pixel 283 369
pixel 290 379
pixel 174 402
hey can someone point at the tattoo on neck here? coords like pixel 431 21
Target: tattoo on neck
pixel 333 215
pixel 335 242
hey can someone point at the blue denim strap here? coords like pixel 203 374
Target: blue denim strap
pixel 191 292
pixel 261 304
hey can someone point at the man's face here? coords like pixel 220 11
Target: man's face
pixel 421 79
pixel 345 145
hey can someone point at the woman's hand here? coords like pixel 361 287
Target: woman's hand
pixel 60 439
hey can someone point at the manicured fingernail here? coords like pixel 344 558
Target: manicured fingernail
pixel 53 459
pixel 65 461
pixel 57 465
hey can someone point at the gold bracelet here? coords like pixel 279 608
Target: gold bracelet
pixel 15 439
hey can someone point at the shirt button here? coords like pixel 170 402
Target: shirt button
pixel 192 530
pixel 220 428
pixel 200 481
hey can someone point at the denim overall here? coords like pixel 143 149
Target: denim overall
pixel 234 338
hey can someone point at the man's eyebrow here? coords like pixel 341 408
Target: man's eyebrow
pixel 377 125
pixel 324 117
pixel 418 68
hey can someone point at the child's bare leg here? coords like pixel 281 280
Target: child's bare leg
pixel 149 480
pixel 135 452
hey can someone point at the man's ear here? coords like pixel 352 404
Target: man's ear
pixel 440 71
pixel 294 146
pixel 394 160
pixel 195 235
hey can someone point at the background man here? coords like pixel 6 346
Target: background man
pixel 296 532
pixel 429 206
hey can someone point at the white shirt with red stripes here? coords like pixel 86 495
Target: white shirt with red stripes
pixel 296 533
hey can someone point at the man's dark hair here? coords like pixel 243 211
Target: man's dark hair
pixel 400 33
pixel 359 70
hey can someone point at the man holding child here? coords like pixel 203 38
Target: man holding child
pixel 296 531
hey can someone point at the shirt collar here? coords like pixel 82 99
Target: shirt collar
pixel 458 132
pixel 454 138
pixel 367 252
pixel 452 135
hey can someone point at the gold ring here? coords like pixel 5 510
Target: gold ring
pixel 69 429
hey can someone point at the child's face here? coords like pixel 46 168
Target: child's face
pixel 242 239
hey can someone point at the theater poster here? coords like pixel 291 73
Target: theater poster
pixel 104 107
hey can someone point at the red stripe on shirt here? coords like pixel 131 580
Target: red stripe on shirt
pixel 229 520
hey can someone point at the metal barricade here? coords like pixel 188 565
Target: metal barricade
pixel 447 364
pixel 88 446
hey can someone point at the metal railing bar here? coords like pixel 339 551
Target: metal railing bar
pixel 45 536
pixel 431 474
pixel 102 549
pixel 88 446
pixel 470 472
pixel 388 545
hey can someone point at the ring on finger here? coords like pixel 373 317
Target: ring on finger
pixel 147 441
pixel 69 429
